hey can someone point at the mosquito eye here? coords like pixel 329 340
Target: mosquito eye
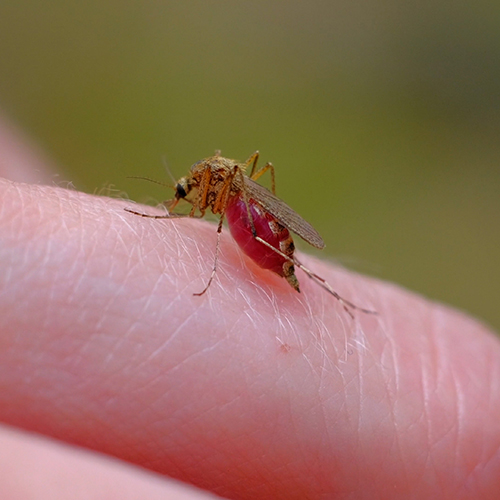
pixel 181 192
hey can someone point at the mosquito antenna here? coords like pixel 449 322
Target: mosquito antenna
pixel 169 172
pixel 141 178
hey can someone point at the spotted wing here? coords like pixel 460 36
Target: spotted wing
pixel 283 213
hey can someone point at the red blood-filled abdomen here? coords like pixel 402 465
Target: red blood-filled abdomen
pixel 267 228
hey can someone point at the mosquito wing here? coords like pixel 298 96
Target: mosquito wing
pixel 279 209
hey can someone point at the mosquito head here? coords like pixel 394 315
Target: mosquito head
pixel 182 188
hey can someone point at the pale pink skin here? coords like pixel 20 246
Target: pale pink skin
pixel 251 391
pixel 241 230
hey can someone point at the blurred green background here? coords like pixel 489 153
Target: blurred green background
pixel 381 118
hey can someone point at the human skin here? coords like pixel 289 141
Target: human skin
pixel 250 391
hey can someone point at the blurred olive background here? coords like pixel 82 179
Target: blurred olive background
pixel 381 118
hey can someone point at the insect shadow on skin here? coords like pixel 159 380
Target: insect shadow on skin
pixel 258 220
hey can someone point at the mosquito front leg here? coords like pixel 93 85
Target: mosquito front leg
pixel 216 259
pixel 166 216
pixel 149 216
pixel 220 203
pixel 203 190
pixel 220 207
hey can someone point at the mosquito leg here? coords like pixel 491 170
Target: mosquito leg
pixel 167 205
pixel 216 259
pixel 254 158
pixel 220 205
pixel 149 216
pixel 320 281
pixel 324 284
pixel 255 175
pixel 166 216
pixel 203 190
pixel 262 171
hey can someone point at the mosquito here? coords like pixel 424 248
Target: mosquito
pixel 258 220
